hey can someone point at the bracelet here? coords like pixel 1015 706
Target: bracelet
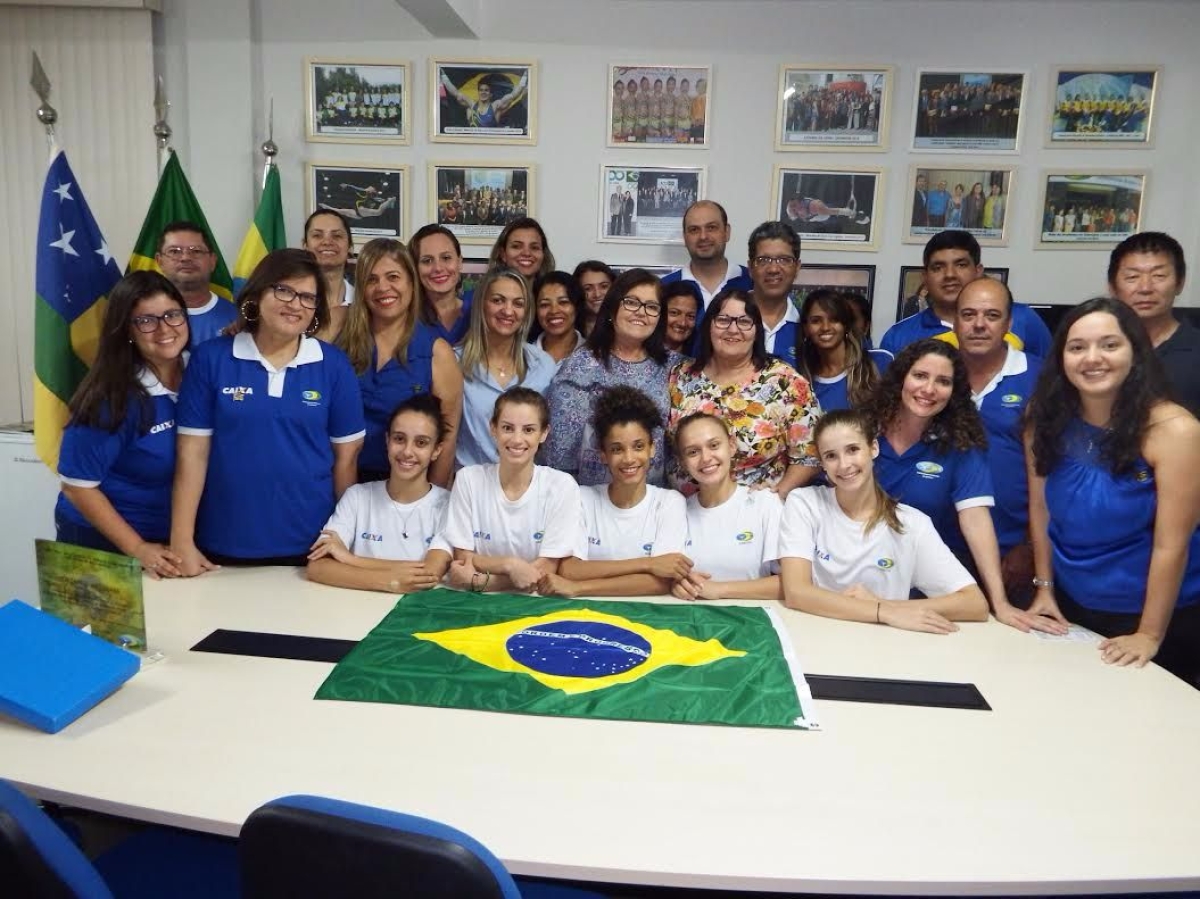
pixel 487 579
pixel 1038 582
pixel 473 576
pixel 878 606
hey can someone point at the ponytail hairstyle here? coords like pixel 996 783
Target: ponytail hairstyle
pixel 885 505
pixel 623 405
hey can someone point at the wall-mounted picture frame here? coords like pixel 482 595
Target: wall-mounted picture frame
pixel 645 204
pixel 856 279
pixel 843 108
pixel 475 200
pixel 473 268
pixel 1102 106
pixel 1090 208
pixel 831 207
pixel 970 197
pixel 961 111
pixel 357 101
pixel 911 297
pixel 374 198
pixel 659 106
pixel 483 101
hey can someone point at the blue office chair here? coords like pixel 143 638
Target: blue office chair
pixel 316 847
pixel 39 861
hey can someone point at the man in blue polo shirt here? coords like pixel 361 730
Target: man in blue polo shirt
pixel 774 254
pixel 1002 380
pixel 706 233
pixel 187 261
pixel 951 262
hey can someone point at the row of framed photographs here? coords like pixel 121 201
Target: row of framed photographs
pixel 819 107
pixel 833 208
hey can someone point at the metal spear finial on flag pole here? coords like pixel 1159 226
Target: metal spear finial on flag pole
pixel 46 113
pixel 269 148
pixel 162 130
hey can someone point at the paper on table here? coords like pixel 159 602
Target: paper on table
pixel 1075 634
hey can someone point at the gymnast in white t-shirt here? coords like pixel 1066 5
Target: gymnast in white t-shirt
pixel 850 551
pixel 383 535
pixel 633 533
pixel 733 531
pixel 511 522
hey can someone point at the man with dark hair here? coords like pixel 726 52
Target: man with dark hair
pixel 187 261
pixel 1147 272
pixel 951 261
pixel 706 233
pixel 774 256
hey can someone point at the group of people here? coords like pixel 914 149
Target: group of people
pixel 959 209
pixel 589 433
pixel 1080 114
pixel 1089 219
pixel 667 111
pixel 829 109
pixel 481 206
pixel 377 108
pixel 959 110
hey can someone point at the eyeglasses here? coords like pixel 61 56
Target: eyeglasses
pixel 633 304
pixel 725 322
pixel 764 261
pixel 148 324
pixel 182 252
pixel 285 294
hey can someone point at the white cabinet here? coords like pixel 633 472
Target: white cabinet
pixel 28 491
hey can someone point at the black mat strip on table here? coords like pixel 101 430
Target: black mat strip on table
pixel 933 694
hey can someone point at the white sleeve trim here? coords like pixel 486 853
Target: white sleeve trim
pixel 974 502
pixel 195 432
pixel 77 482
pixel 359 435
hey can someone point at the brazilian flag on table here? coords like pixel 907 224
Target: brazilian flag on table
pixel 638 661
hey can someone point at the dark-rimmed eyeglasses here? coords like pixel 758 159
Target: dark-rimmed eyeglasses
pixel 148 324
pixel 725 322
pixel 764 261
pixel 651 307
pixel 286 294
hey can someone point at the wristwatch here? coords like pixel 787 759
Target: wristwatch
pixel 1038 582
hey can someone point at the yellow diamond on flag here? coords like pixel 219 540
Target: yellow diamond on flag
pixel 578 650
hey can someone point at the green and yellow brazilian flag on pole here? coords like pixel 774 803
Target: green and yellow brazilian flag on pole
pixel 637 661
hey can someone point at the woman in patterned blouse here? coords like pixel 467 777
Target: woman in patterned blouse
pixel 770 408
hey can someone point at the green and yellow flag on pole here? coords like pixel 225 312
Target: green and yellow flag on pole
pixel 266 233
pixel 75 272
pixel 636 661
pixel 174 201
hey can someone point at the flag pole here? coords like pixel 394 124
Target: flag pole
pixel 162 130
pixel 269 148
pixel 46 113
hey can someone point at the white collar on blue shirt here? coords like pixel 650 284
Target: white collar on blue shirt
pixel 1015 363
pixel 244 347
pixel 732 270
pixel 148 379
pixel 213 299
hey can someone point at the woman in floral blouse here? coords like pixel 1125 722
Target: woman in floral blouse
pixel 770 408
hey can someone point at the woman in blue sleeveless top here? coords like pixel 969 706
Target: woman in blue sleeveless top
pixel 1114 493
pixel 396 355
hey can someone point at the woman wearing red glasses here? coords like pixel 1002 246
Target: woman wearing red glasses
pixel 270 424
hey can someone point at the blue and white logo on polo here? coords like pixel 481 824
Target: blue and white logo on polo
pixel 745 537
pixel 374 538
pixel 238 393
pixel 885 563
pixel 538 535
pixel 1011 399
pixel 648 548
pixel 163 426
pixel 929 469
pixel 482 535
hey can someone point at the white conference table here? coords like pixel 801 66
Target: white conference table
pixel 1083 778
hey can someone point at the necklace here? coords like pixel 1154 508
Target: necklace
pixel 405 519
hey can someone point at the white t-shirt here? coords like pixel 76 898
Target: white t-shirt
pixel 737 540
pixel 375 526
pixel 888 564
pixel 544 522
pixel 655 526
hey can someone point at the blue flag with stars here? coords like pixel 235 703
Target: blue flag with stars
pixel 75 272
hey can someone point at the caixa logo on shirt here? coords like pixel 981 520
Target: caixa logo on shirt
pixel 374 538
pixel 929 469
pixel 162 426
pixel 482 535
pixel 238 393
pixel 311 397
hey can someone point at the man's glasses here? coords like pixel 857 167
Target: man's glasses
pixel 725 322
pixel 651 307
pixel 285 294
pixel 148 324
pixel 185 252
pixel 764 261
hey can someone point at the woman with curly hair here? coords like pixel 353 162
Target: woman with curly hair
pixel 1114 493
pixel 933 453
pixel 829 351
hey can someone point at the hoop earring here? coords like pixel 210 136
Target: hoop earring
pixel 249 306
pixel 313 327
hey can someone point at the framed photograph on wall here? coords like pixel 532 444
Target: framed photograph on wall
pixel 482 101
pixel 646 204
pixel 969 197
pixel 856 279
pixel 965 111
pixel 831 208
pixel 1099 106
pixel 374 198
pixel 356 101
pixel 473 268
pixel 658 106
pixel 828 108
pixel 475 200
pixel 1085 208
pixel 911 298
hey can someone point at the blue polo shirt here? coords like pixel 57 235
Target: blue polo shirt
pixel 735 276
pixel 475 444
pixel 133 466
pixel 456 332
pixel 1029 330
pixel 1001 404
pixel 939 484
pixel 383 389
pixel 269 487
pixel 207 321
